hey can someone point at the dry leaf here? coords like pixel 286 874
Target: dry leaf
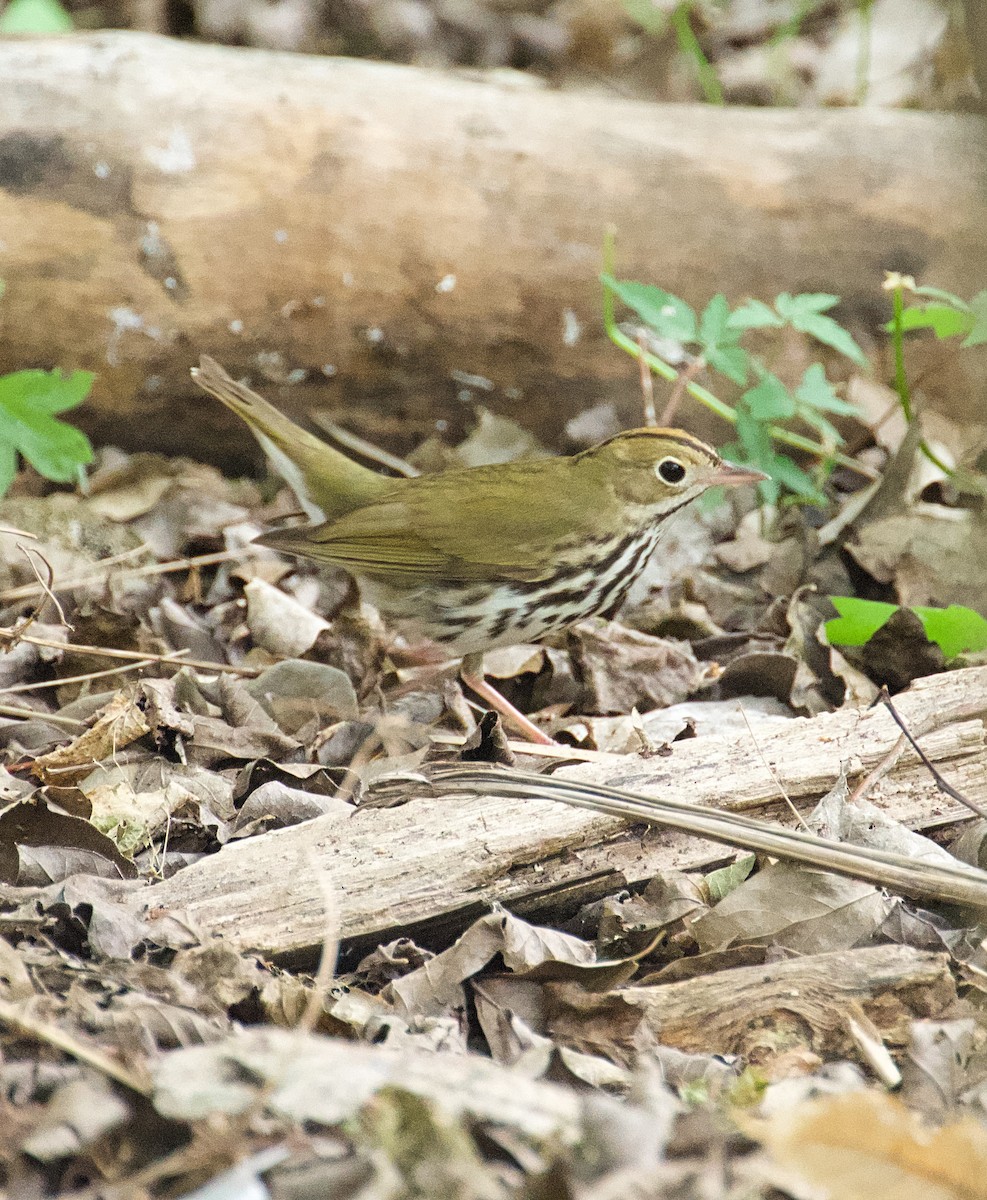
pixel 123 721
pixel 788 905
pixel 868 1146
pixel 279 623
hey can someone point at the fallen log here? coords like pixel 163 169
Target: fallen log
pixel 420 236
pixel 429 866
pixel 732 1011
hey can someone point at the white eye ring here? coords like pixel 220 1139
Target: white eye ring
pixel 670 471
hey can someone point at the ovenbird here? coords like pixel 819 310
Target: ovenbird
pixel 485 556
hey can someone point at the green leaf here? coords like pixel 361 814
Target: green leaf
pixel 805 313
pixel 934 293
pixel 815 391
pixel 731 361
pixel 719 341
pixel 35 16
pixel 858 621
pixel 770 400
pixel 978 333
pixel 722 882
pixel 8 466
pixel 28 402
pixel 830 433
pixel 804 304
pixel 754 315
pixel 754 449
pixel 790 475
pixel 666 314
pixel 713 323
pixel 648 15
pixel 754 438
pixel 956 629
pixel 944 320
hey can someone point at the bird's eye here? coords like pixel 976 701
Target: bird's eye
pixel 670 470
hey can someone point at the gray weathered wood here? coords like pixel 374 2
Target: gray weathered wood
pixel 728 1011
pixel 438 862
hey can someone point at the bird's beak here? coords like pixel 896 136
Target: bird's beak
pixel 728 474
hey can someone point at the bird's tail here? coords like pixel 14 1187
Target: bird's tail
pixel 327 483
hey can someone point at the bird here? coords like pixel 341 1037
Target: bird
pixel 479 557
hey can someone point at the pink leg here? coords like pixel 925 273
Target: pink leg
pixel 471 673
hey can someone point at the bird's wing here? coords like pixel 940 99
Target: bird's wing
pixel 434 527
pixel 375 540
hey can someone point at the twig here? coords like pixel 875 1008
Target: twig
pixel 11 1015
pixel 898 872
pixel 329 953
pixel 771 771
pixel 867 1038
pixel 50 683
pixel 29 552
pixel 361 756
pixel 647 383
pixel 25 591
pixel 174 657
pixel 686 375
pixel 941 784
pixel 873 777
pixel 11 710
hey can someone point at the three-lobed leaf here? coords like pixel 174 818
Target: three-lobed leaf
pixel 947 316
pixel 668 315
pixel 806 313
pixel 754 314
pixel 720 341
pixel 944 320
pixel 29 401
pixel 770 400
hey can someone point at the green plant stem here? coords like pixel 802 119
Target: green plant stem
pixel 901 384
pixel 703 395
pixel 689 45
pixel 864 51
pixel 898 346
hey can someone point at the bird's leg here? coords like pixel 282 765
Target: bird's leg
pixel 471 673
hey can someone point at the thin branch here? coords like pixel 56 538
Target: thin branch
pixel 941 783
pixel 174 658
pixel 51 1035
pixel 897 872
pixel 51 683
pixel 771 771
pixel 25 591
pixel 872 778
pixel 11 710
pixel 29 552
pixel 686 376
pixel 647 384
pixel 330 949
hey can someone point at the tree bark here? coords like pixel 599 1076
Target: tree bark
pixel 348 233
